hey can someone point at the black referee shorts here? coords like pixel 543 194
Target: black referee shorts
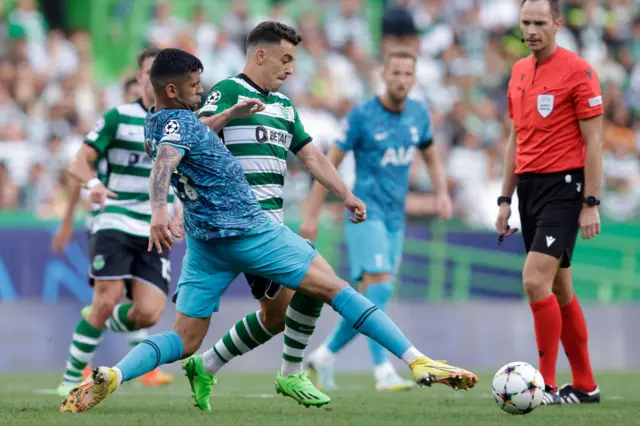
pixel 550 206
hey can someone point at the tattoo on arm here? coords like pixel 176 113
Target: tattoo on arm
pixel 167 159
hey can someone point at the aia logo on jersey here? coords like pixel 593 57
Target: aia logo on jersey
pixel 400 156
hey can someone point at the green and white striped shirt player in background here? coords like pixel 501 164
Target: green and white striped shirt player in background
pixel 260 126
pixel 119 231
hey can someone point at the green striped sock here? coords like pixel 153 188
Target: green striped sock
pixel 119 320
pixel 134 338
pixel 302 314
pixel 246 334
pixel 84 342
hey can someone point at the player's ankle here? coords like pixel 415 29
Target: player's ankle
pixel 119 374
pixel 322 355
pixel 411 354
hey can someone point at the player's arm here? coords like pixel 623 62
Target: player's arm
pixel 222 106
pixel 323 171
pixel 64 233
pixel 435 168
pixel 95 144
pixel 167 159
pixel 588 107
pixel 510 180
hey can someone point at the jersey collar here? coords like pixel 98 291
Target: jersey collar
pixel 253 84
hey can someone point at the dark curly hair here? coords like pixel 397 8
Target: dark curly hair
pixel 273 33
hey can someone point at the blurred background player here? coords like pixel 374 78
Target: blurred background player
pixel 119 230
pixel 554 159
pixel 384 134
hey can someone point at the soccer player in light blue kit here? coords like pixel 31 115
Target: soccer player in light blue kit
pixel 384 134
pixel 227 233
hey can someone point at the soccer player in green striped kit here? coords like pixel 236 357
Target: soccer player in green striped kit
pixel 261 142
pixel 120 263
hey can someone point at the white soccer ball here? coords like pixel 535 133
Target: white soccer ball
pixel 518 388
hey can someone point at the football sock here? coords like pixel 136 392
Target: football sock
pixel 379 294
pixel 245 335
pixel 150 353
pixel 119 320
pixel 300 322
pixel 84 342
pixel 547 321
pixel 341 336
pixel 574 339
pixel 367 319
pixel 134 338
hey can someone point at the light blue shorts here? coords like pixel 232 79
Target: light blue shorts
pixel 271 251
pixel 373 248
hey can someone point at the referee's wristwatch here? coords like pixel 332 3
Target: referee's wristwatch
pixel 591 201
pixel 504 199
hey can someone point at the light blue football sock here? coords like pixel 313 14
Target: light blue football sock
pixel 379 294
pixel 150 353
pixel 341 336
pixel 367 319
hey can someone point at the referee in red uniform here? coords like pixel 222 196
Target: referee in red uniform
pixel 554 159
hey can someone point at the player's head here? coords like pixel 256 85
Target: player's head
pixel 271 50
pixel 145 60
pixel 399 30
pixel 399 73
pixel 540 21
pixel 132 89
pixel 175 76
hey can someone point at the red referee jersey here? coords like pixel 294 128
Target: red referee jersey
pixel 546 100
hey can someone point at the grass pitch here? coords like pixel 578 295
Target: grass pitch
pixel 250 399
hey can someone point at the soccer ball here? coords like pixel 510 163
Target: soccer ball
pixel 518 388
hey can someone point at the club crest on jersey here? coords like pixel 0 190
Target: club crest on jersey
pixel 171 128
pixel 545 105
pixel 214 97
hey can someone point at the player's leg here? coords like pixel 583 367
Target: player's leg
pixel 368 246
pixel 203 280
pixel 253 330
pixel 110 266
pixel 294 263
pixel 574 339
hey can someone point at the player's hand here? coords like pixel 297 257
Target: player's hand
pixel 62 237
pixel 444 206
pixel 246 108
pixel 309 227
pixel 178 227
pixel 502 222
pixel 589 222
pixel 357 207
pixel 99 193
pixel 161 229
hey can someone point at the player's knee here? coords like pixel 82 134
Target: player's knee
pixel 105 297
pixel 563 287
pixel 146 316
pixel 273 320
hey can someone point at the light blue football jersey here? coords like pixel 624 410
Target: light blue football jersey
pixel 384 144
pixel 218 201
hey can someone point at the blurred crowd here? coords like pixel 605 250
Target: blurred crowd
pixel 49 99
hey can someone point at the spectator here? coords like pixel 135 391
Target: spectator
pixel 8 189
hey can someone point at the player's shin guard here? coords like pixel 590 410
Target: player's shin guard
pixel 547 321
pixel 152 352
pixel 300 322
pixel 380 294
pixel 84 343
pixel 367 319
pixel 574 339
pixel 245 335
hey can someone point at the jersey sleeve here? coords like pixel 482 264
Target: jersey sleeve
pixel 300 137
pixel 349 132
pixel 586 94
pixel 221 97
pixel 181 131
pixel 104 132
pixel 425 136
pixel 509 101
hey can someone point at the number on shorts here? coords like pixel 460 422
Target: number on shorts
pixel 166 269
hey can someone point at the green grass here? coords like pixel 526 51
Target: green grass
pixel 250 399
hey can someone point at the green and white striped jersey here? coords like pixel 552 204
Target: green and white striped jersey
pixel 259 142
pixel 119 138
